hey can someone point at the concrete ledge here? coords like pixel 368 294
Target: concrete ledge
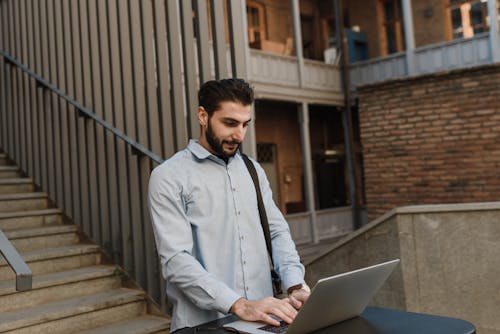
pixel 462 207
pixel 450 260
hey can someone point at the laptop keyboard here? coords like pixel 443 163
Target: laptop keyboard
pixel 275 329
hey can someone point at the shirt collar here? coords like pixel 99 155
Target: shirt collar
pixel 202 153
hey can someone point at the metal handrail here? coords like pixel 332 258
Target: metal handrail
pixel 16 262
pixel 137 148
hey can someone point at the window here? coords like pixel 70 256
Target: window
pixel 256 23
pixel 393 25
pixel 468 17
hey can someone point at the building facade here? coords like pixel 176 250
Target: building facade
pixel 423 73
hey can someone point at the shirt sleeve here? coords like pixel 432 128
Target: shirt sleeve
pixel 174 243
pixel 285 257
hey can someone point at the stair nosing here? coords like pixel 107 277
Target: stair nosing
pixel 29 195
pixel 9 168
pixel 30 213
pixel 163 323
pixel 63 309
pixel 15 180
pixel 7 287
pixel 55 253
pixel 40 231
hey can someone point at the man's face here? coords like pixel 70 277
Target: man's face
pixel 224 131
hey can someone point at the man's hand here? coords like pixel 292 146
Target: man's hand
pixel 298 297
pixel 261 309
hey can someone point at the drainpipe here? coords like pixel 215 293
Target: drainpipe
pixel 409 37
pixel 347 115
pixel 494 42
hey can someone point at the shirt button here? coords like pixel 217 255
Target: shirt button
pixel 244 262
pixel 247 288
pixel 239 213
pixel 234 189
pixel 242 237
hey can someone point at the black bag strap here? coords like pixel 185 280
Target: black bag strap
pixel 264 222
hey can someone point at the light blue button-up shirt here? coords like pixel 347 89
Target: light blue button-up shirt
pixel 209 237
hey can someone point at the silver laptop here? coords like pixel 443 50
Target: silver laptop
pixel 332 300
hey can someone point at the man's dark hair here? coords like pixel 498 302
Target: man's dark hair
pixel 213 92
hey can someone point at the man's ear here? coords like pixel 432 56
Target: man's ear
pixel 202 116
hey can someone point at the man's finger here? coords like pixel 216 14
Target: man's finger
pixel 270 320
pixel 297 304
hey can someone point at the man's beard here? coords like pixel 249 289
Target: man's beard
pixel 217 144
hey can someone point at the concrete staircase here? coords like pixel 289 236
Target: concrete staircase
pixel 73 290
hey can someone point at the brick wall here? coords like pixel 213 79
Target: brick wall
pixel 432 139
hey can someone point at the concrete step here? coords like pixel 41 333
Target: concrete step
pixel 75 314
pixel 23 202
pixel 9 171
pixel 26 240
pixel 16 185
pixel 30 219
pixel 146 324
pixel 3 159
pixel 309 251
pixel 55 260
pixel 60 285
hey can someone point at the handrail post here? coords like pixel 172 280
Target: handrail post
pixel 16 262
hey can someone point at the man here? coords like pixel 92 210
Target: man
pixel 205 217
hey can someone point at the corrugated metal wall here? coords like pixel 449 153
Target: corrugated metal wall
pixel 93 94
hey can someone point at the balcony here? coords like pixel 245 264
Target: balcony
pixel 277 77
pixel 439 57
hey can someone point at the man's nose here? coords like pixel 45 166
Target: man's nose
pixel 239 133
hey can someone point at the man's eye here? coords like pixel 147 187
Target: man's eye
pixel 232 124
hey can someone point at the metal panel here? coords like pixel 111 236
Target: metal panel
pixel 81 63
pixel 133 119
pixel 96 148
pixel 17 93
pixel 128 108
pixel 3 83
pixel 21 51
pixel 33 62
pixel 64 49
pixel 27 89
pixel 55 167
pixel 148 133
pixel 190 76
pixel 85 126
pixel 177 93
pixel 162 74
pixel 110 212
pixel 204 63
pixel 95 139
pixel 42 70
pixel 219 39
pixel 164 103
pixel 70 60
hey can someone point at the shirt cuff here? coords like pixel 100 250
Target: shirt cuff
pixel 290 279
pixel 226 300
